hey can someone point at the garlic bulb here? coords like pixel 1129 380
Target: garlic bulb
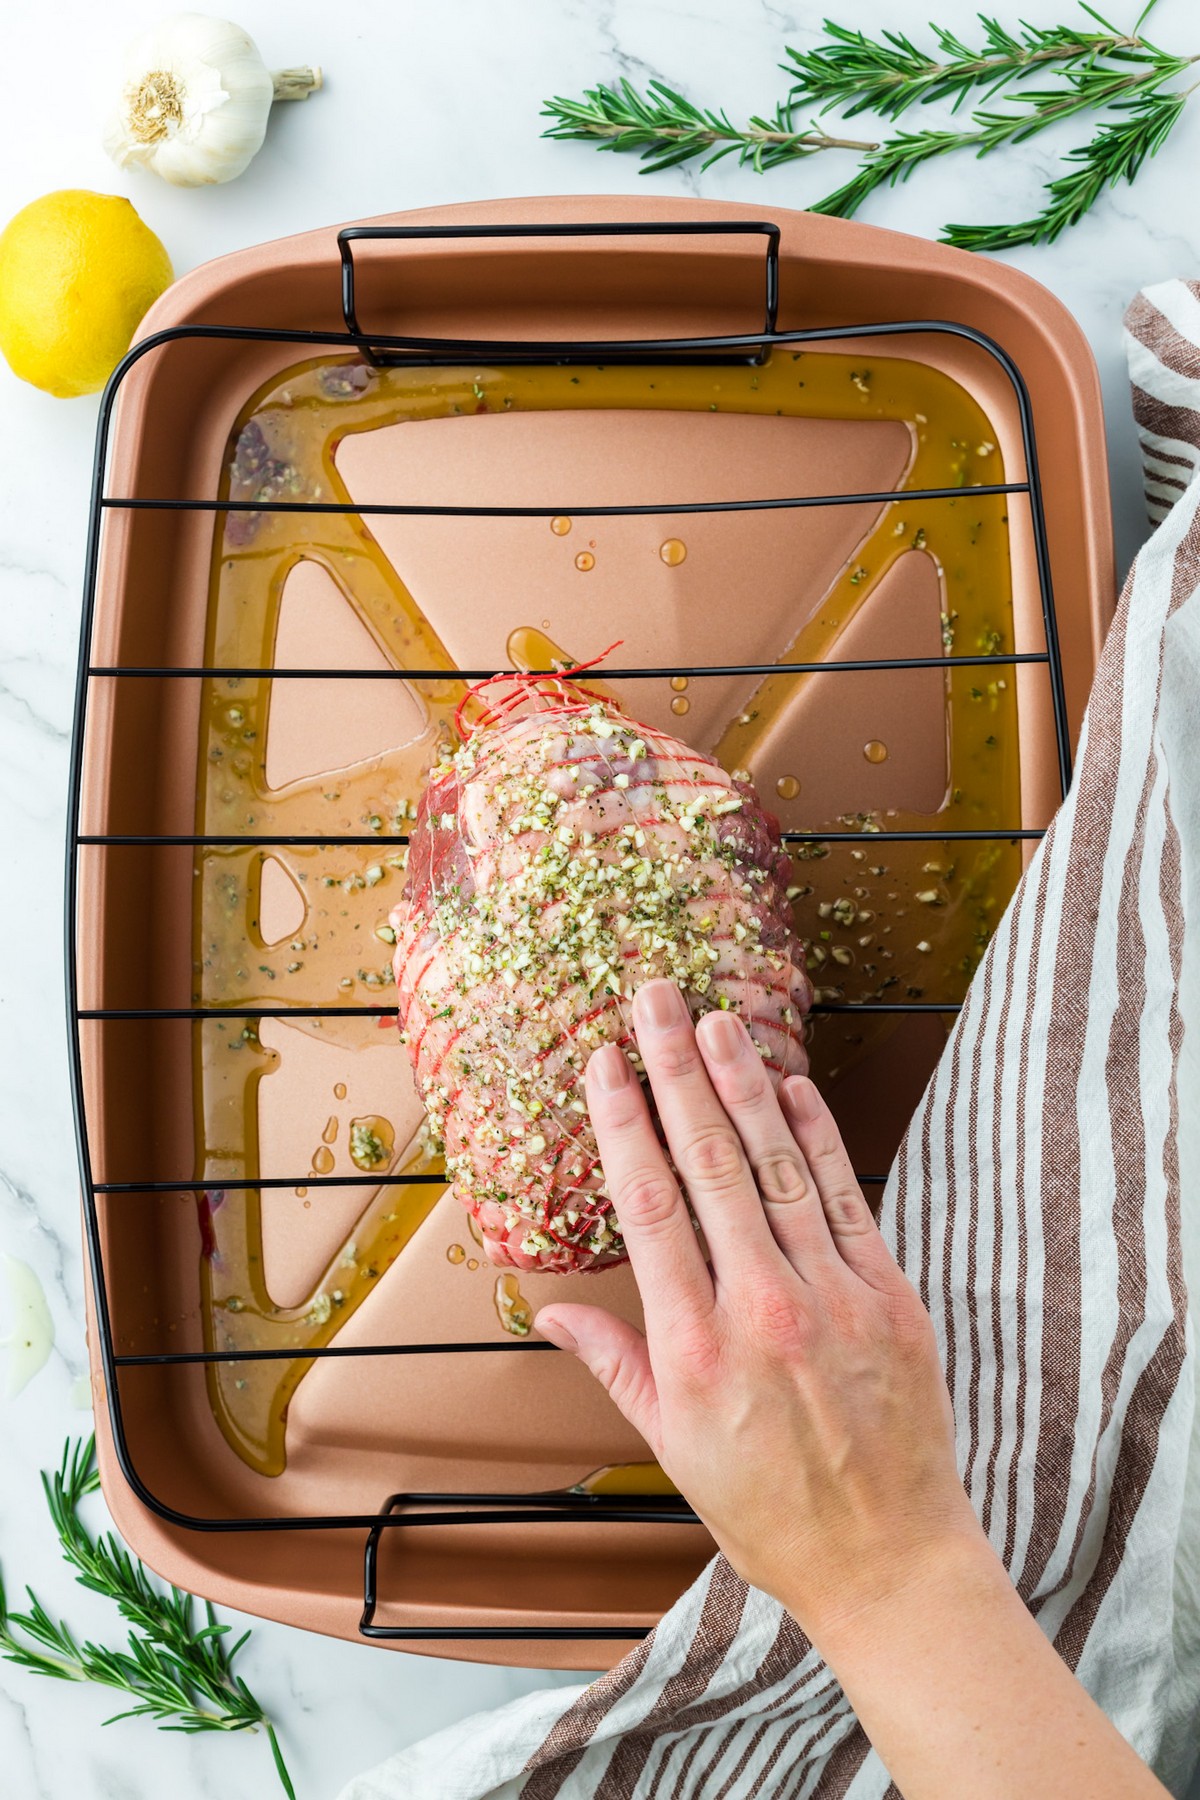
pixel 195 100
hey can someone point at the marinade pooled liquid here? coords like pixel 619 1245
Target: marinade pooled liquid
pixel 882 920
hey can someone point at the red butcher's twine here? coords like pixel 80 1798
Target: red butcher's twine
pixel 523 685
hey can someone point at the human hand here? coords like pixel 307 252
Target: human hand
pixel 791 1387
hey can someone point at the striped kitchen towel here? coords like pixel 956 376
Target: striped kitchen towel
pixel 1162 342
pixel 1046 1200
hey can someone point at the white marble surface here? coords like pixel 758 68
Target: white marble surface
pixel 424 104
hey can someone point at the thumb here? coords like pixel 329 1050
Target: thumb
pixel 616 1354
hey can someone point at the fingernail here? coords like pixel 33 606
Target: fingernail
pixel 556 1334
pixel 609 1068
pixel 801 1099
pixel 724 1037
pixel 660 1005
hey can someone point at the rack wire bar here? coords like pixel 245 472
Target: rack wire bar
pixel 298 1353
pixel 218 1183
pixel 258 1183
pixel 411 1510
pixel 380 509
pixel 92 1014
pixel 870 665
pixel 331 840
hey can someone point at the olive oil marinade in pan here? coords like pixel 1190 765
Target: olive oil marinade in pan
pixel 307 925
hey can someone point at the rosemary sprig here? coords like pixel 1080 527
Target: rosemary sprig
pixel 666 129
pixel 177 1673
pixel 1115 154
pixel 1096 68
pixel 1085 89
pixel 860 74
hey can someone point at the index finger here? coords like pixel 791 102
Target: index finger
pixel 671 1272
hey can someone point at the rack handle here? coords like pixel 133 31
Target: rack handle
pixel 508 1508
pixel 405 349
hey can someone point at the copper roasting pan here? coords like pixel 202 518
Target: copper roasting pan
pixel 836 751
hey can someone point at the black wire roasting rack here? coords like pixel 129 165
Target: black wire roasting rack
pixel 413 1510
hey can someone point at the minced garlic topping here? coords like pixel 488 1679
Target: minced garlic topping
pixel 578 903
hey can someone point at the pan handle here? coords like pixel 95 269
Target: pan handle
pixel 382 350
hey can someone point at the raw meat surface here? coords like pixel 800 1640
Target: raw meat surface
pixel 560 857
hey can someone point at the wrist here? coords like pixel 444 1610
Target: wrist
pixel 949 1572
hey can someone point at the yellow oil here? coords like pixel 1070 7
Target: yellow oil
pixel 627 1478
pixel 512 1308
pixel 283 448
pixel 528 647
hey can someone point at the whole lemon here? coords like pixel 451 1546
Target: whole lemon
pixel 77 272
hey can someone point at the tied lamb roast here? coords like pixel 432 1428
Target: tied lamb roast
pixel 561 856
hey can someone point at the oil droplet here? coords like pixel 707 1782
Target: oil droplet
pixel 512 1308
pixel 323 1161
pixel 472 1263
pixel 560 525
pixel 680 703
pixel 455 1253
pixel 331 1130
pixel 372 1140
pixel 787 787
pixel 585 561
pixel 339 1090
pixel 673 552
pixel 529 648
pixel 679 682
pixel 474 1230
pixel 300 1192
pixel 307 1205
pixel 875 752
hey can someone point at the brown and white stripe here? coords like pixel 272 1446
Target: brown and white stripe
pixel 1162 341
pixel 1046 1200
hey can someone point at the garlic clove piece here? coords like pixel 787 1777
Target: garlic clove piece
pixel 31 1339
